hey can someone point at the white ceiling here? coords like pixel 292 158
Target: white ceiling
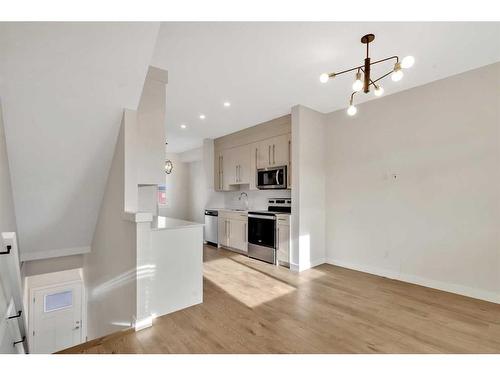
pixel 63 88
pixel 264 69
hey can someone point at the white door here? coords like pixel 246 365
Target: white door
pixel 57 318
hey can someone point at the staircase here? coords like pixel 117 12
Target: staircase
pixel 12 316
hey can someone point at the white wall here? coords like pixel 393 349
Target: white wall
pixel 413 185
pixel 110 268
pixel 308 188
pixel 177 189
pixel 150 140
pixel 7 214
pixel 42 266
pixel 64 86
pixel 199 194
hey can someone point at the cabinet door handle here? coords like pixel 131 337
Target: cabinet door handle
pixel 269 154
pixel 245 233
pixel 255 170
pixel 274 155
pixel 278 239
pixel 290 162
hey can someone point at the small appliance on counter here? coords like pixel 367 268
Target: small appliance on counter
pixel 211 231
pixel 262 238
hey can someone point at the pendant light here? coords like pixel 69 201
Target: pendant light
pixel 363 82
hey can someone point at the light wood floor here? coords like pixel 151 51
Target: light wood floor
pixel 253 307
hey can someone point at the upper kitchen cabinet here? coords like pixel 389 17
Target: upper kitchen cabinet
pixel 224 171
pixel 254 154
pixel 274 152
pixel 236 166
pixel 239 155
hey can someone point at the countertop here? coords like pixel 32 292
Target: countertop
pixel 164 222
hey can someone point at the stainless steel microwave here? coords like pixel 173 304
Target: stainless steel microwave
pixel 271 178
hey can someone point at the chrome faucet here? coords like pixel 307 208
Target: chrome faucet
pixel 243 194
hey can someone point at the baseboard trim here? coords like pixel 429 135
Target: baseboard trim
pixel 54 253
pixel 311 264
pixel 412 279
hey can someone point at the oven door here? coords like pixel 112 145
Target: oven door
pixel 271 178
pixel 261 237
pixel 261 229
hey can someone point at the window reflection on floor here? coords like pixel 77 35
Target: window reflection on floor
pixel 247 285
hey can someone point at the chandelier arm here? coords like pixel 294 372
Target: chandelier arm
pixel 387 58
pixel 344 71
pixel 385 75
pixel 372 83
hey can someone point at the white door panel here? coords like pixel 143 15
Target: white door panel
pixel 57 318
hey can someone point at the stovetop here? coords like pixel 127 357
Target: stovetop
pixel 276 206
pixel 269 212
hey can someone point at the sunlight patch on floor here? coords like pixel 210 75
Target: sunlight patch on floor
pixel 247 285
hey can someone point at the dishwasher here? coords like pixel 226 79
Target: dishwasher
pixel 210 232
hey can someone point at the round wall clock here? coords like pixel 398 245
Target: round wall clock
pixel 168 167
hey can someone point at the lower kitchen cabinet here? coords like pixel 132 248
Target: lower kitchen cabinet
pixel 283 237
pixel 233 229
pixel 238 235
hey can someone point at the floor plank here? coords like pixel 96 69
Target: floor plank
pixel 254 307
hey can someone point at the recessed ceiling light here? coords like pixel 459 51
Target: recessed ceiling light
pixel 202 117
pixel 183 126
pixel 227 104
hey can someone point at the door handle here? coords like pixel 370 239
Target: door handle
pixel 277 177
pixel 274 155
pixel 269 154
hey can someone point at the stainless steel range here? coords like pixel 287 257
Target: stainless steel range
pixel 262 239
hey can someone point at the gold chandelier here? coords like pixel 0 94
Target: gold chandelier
pixel 363 80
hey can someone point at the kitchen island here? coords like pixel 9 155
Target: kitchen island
pixel 169 267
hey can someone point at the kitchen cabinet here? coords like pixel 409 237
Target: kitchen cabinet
pixel 234 167
pixel 233 229
pixel 238 234
pixel 254 152
pixel 280 150
pixel 289 169
pixel 223 229
pixel 283 240
pixel 274 152
pixel 237 156
pixel 242 164
pixel 224 171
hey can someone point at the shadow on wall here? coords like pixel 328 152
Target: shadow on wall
pixel 146 272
